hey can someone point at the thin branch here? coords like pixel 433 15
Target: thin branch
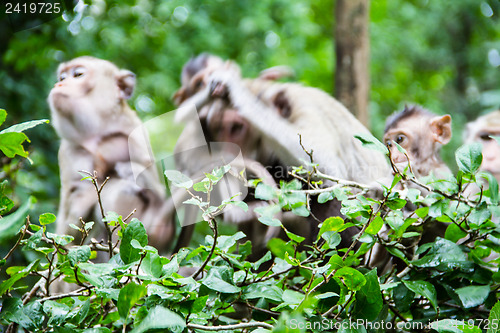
pixel 213 226
pixel 19 239
pixel 343 182
pixel 230 327
pixel 98 188
pixel 70 294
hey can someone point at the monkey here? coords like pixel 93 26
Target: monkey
pixel 90 113
pixel 421 134
pixel 276 114
pixel 229 127
pixel 482 130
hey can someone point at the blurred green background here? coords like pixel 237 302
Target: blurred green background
pixel 441 54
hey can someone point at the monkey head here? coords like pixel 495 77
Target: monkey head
pixel 482 130
pixel 88 90
pixel 196 74
pixel 421 134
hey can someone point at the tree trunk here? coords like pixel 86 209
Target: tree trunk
pixel 352 46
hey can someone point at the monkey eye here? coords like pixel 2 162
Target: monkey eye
pixel 400 139
pixel 388 143
pixel 63 76
pixel 79 71
pixel 198 84
pixel 485 136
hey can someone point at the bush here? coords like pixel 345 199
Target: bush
pixel 447 285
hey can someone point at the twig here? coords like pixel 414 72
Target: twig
pixel 269 312
pixel 343 181
pixel 213 225
pixel 70 294
pixel 19 239
pixel 98 188
pixel 27 297
pixel 342 308
pixel 394 310
pixel 230 327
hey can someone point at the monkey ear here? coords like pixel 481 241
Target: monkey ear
pixel 441 129
pixel 126 83
pixel 180 96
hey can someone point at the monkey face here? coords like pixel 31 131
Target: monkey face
pixel 402 139
pixel 74 83
pixel 227 125
pixel 89 92
pixel 491 151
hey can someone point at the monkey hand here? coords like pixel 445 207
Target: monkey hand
pixel 219 83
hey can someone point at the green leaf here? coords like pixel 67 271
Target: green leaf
pixel 494 318
pixel 152 265
pixel 269 221
pixel 178 179
pixel 425 289
pixel 492 190
pixel 292 297
pixel 3 116
pixel 160 318
pixel 7 285
pixel 266 214
pixel 79 254
pixel 11 144
pixel 296 238
pixel 335 223
pixel 396 203
pixel 226 242
pixel 444 255
pixel 325 197
pixel 369 298
pixel 265 192
pixel 60 239
pixel 262 290
pixel 262 260
pixel 472 296
pixel 332 239
pixel 395 220
pixel 279 247
pixel 369 141
pixel 376 224
pixel 47 218
pixel 422 212
pixel 10 224
pixel 34 311
pixel 24 126
pixel 135 230
pixel 220 279
pixel 351 277
pixel 128 297
pixel 469 157
pixel 199 304
pixel 236 203
pixel 56 312
pixel 12 310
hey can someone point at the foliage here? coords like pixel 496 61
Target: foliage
pixel 449 284
pixel 440 54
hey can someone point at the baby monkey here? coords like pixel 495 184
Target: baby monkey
pixel 422 134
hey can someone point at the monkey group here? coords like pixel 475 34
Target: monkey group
pixel 271 125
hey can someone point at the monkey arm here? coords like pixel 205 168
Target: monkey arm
pixel 276 131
